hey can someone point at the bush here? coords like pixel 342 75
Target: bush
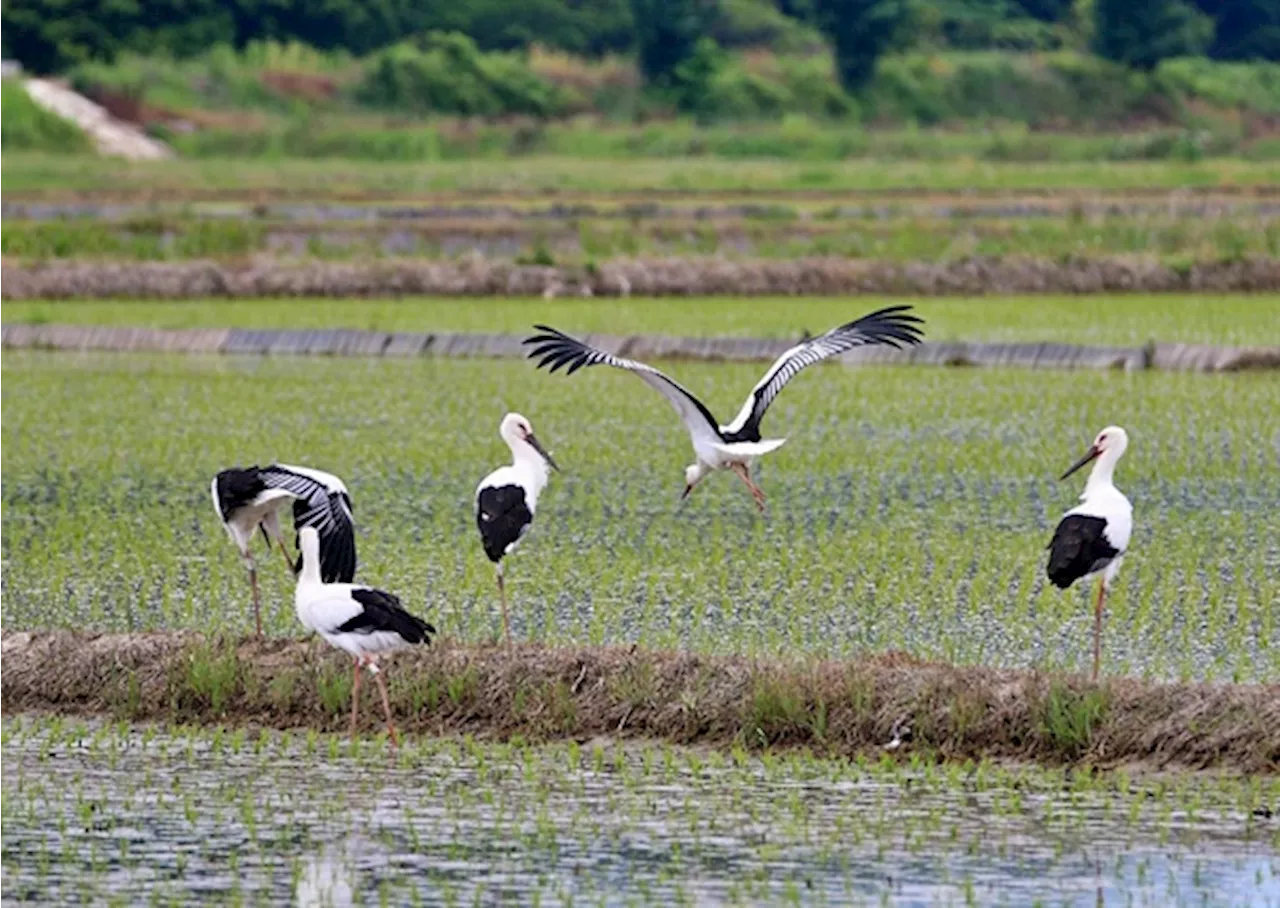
pixel 753 23
pixel 25 126
pixel 449 74
pixel 1035 89
pixel 1247 86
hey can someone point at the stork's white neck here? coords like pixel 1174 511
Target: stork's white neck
pixel 1103 469
pixel 310 543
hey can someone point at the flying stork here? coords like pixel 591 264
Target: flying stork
pixel 736 445
pixel 1092 537
pixel 248 499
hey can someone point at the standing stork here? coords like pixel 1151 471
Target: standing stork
pixel 507 498
pixel 1092 537
pixel 359 620
pixel 736 445
pixel 249 499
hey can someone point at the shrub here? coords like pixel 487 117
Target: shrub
pixel 447 73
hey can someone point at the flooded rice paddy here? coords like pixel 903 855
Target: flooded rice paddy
pixel 118 814
pixel 908 510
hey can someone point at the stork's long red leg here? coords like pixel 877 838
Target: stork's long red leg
pixel 502 594
pixel 288 562
pixel 1097 628
pixel 386 709
pixel 257 597
pixel 745 475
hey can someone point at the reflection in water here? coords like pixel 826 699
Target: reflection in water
pixel 328 878
pixel 128 814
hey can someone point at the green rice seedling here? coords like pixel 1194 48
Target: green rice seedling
pixel 962 463
pixel 212 675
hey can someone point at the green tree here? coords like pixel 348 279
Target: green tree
pixel 1141 33
pixel 1244 29
pixel 860 31
pixel 1045 10
pixel 667 33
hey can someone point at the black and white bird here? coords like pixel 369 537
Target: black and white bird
pixel 1092 538
pixel 736 445
pixel 507 498
pixel 360 620
pixel 249 499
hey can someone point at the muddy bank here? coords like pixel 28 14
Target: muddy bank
pixel 819 276
pixel 842 708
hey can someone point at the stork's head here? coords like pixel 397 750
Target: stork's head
pixel 692 476
pixel 518 433
pixel 1109 446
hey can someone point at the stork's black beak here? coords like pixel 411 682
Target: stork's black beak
pixel 537 446
pixel 1089 455
pixel 685 493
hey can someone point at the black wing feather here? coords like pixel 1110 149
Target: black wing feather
pixel 1078 548
pixel 337 541
pixel 554 350
pixel 382 611
pixel 502 515
pixel 237 487
pixel 892 326
pixel 329 511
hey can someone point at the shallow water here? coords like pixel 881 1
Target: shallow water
pixel 95 813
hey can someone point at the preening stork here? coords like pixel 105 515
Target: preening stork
pixel 1092 538
pixel 359 620
pixel 507 498
pixel 249 499
pixel 736 445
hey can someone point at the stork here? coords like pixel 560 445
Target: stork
pixel 1092 538
pixel 248 499
pixel 360 620
pixel 734 446
pixel 507 498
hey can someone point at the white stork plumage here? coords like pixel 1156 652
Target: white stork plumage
pixel 248 499
pixel 736 445
pixel 360 620
pixel 1092 537
pixel 507 498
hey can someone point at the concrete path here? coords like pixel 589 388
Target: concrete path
pixel 111 136
pixel 350 342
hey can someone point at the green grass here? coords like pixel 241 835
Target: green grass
pixel 27 127
pixel 1116 320
pixel 27 173
pixel 909 510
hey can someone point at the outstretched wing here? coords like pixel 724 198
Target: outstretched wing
pixel 325 505
pixel 891 326
pixel 556 349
